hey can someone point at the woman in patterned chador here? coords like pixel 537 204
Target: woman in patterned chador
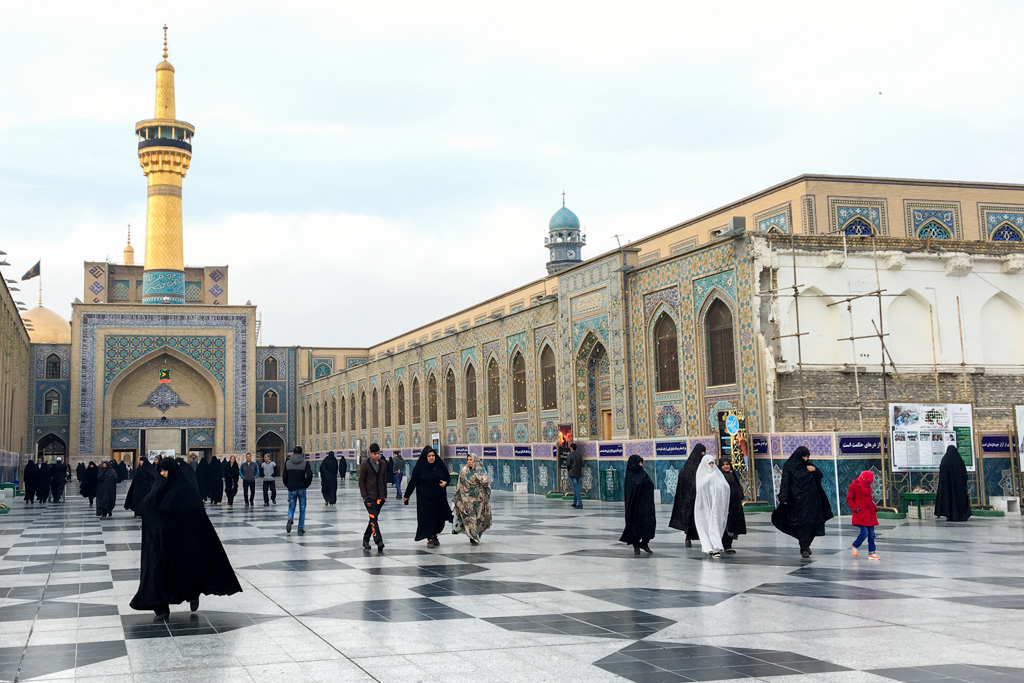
pixel 472 501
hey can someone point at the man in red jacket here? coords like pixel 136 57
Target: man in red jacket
pixel 861 500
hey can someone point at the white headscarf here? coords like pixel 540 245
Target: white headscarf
pixel 711 509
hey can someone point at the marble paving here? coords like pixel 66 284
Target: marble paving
pixel 547 596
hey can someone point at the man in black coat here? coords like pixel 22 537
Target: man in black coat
pixel 297 476
pixel 574 465
pixel 42 481
pixel 30 480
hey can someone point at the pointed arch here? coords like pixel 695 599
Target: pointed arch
pixel 316 418
pixel 1007 232
pixel 270 368
pixel 352 411
pixel 387 404
pixel 935 229
pixel 334 414
pixel 910 327
pixel 375 409
pixel 362 409
pixel 401 404
pixel 470 390
pixel 518 372
pixel 416 414
pixel 493 387
pixel 326 423
pixel 53 366
pixel 821 325
pixel 548 378
pixel 450 396
pixel 271 404
pixel 665 337
pixel 857 226
pixel 1001 328
pixel 344 427
pixel 719 343
pixel 51 402
pixel 432 398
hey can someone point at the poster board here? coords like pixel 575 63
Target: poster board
pixel 1018 412
pixel 921 432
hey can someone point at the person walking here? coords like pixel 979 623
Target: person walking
pixel 231 480
pixel 430 476
pixel 574 467
pixel 297 477
pixel 343 470
pixel 638 491
pixel 106 489
pixel 189 472
pixel 472 499
pixel 202 476
pixel 142 484
pixel 398 465
pixel 373 487
pixel 686 495
pixel 803 506
pixel 711 507
pixel 329 479
pixel 861 499
pixel 90 480
pixel 31 480
pixel 58 479
pixel 736 525
pixel 249 471
pixel 952 499
pixel 80 472
pixel 215 481
pixel 182 557
pixel 269 484
pixel 42 481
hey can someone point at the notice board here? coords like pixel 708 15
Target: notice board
pixel 921 432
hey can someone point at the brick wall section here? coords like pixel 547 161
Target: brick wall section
pixel 993 397
pixel 883 244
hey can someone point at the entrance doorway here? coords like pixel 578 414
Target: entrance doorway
pixel 273 445
pixel 51 446
pixel 127 457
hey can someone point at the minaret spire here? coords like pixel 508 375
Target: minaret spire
pixel 165 153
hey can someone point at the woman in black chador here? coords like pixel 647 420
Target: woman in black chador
pixel 42 481
pixel 329 479
pixel 182 557
pixel 142 484
pixel 31 474
pixel 89 482
pixel 430 476
pixel 106 489
pixel 215 481
pixel 736 525
pixel 639 493
pixel 803 506
pixel 202 472
pixel 952 499
pixel 230 480
pixel 686 496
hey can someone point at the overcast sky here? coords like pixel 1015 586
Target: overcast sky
pixel 365 168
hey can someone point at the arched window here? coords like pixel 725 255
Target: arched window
pixel 352 411
pixel 518 383
pixel 721 351
pixel 858 227
pixel 325 416
pixel 470 391
pixel 270 368
pixel 935 230
pixel 401 404
pixel 493 388
pixel 316 419
pixel 1006 233
pixel 334 414
pixel 387 405
pixel 53 366
pixel 548 385
pixel 666 354
pixel 432 399
pixel 302 420
pixel 362 410
pixel 270 401
pixel 51 405
pixel 416 400
pixel 375 407
pixel 451 410
pixel 343 427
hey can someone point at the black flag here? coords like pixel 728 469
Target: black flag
pixel 32 272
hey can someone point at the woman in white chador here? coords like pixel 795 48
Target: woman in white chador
pixel 711 509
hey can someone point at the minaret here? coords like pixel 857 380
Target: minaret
pixel 165 151
pixel 565 242
pixel 129 250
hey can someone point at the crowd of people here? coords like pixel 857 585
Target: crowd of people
pixel 183 558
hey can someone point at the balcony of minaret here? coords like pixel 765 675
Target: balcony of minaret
pixel 177 134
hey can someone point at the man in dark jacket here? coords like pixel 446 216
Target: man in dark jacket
pixel 574 463
pixel 373 487
pixel 297 477
pixel 249 471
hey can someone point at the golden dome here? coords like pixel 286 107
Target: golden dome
pixel 47 327
pixel 164 66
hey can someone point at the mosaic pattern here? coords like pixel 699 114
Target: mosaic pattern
pixel 322 367
pixel 124 438
pixel 120 351
pixel 807 214
pixel 670 421
pixel 845 211
pixel 1002 223
pixel 938 220
pixel 158 285
pixel 119 290
pixel 163 399
pixel 652 300
pixel 201 437
pixel 193 292
pixel 44 351
pixel 520 432
pixel 778 220
pixel 184 423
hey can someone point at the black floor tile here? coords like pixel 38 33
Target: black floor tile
pixel 827 590
pixel 479 587
pixel 432 571
pixel 654 598
pixel 630 624
pixel 405 609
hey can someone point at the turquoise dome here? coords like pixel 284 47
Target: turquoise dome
pixel 564 219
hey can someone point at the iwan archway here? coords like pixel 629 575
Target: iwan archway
pixel 165 401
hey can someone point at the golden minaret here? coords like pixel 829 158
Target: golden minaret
pixel 165 151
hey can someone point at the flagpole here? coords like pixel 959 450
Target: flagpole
pixel 40 283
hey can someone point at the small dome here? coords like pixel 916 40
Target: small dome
pixel 47 327
pixel 165 66
pixel 564 219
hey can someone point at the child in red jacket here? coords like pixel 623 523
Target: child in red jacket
pixel 865 513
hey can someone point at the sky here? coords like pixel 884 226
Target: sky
pixel 366 168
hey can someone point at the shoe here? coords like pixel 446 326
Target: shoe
pixel 472 542
pixel 810 552
pixel 716 555
pixel 805 553
pixel 688 543
pixel 266 505
pixel 301 531
pixel 194 604
pixel 872 556
pixel 288 526
pixel 636 550
pixel 161 616
pixel 366 544
pixel 730 551
pixel 646 548
pixel 856 553
pixel 436 542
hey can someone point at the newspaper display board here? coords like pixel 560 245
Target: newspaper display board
pixel 921 432
pixel 1018 411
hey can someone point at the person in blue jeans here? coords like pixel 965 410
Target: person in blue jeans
pixel 574 464
pixel 297 476
pixel 398 464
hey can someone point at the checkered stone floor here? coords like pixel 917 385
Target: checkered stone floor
pixel 548 596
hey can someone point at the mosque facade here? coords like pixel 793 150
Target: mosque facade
pixel 754 308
